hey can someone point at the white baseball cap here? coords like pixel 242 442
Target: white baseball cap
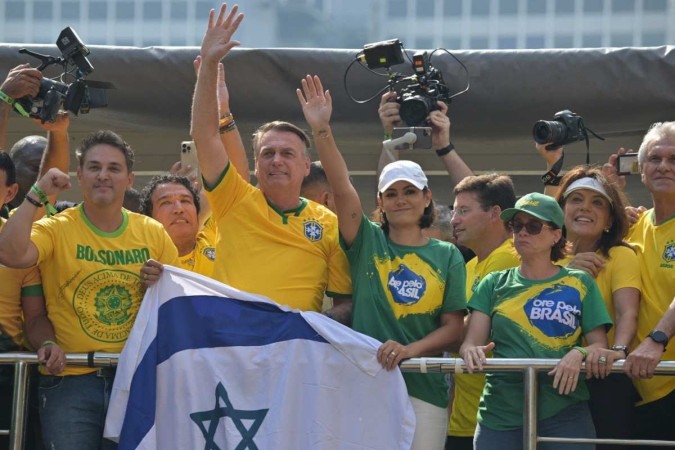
pixel 402 171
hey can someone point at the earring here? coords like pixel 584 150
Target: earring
pixel 606 230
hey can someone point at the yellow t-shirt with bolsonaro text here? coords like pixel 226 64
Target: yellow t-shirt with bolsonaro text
pixel 292 257
pixel 91 278
pixel 655 245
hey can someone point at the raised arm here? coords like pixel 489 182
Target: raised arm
pixel 217 42
pixel 21 81
pixel 16 248
pixel 551 157
pixel 441 144
pixel 390 118
pixel 229 133
pixel 317 107
pixel 57 153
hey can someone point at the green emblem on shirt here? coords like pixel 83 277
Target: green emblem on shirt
pixel 112 305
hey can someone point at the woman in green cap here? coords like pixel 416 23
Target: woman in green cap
pixel 536 310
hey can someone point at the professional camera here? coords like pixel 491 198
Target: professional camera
pixel 419 99
pixel 418 93
pixel 78 96
pixel 565 127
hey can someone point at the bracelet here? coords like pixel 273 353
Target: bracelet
pixel 227 128
pixel 47 342
pixel 32 201
pixel 7 99
pixel 43 198
pixel 620 348
pixel 581 350
pixel 445 150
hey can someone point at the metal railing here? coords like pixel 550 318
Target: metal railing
pixel 21 360
pixel 529 368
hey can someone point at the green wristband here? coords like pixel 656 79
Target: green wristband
pixel 581 350
pixel 387 136
pixel 7 99
pixel 43 198
pixel 48 342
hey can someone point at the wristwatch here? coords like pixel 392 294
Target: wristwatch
pixel 620 348
pixel 659 337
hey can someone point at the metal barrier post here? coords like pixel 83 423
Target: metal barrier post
pixel 530 395
pixel 18 430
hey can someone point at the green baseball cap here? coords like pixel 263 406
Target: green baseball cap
pixel 539 205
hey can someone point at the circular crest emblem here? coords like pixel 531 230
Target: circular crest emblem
pixel 106 303
pixel 313 230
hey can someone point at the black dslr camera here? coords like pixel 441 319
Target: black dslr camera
pixel 76 97
pixel 565 127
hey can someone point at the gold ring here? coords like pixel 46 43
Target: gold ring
pixel 602 360
pixel 145 276
pixel 393 353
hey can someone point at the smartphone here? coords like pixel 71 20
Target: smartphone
pixel 423 135
pixel 627 164
pixel 188 156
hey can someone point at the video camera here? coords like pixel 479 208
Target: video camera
pixel 420 91
pixel 77 97
pixel 565 127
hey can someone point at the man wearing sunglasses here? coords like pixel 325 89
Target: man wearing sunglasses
pixel 479 202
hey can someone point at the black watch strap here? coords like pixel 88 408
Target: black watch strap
pixel 445 150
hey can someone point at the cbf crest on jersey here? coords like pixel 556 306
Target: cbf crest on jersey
pixel 406 287
pixel 669 252
pixel 313 230
pixel 555 311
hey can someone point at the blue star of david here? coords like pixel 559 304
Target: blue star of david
pixel 214 415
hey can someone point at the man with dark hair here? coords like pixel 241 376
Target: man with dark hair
pixel 90 258
pixel 479 201
pixel 173 201
pixel 315 187
pixel 20 292
pixel 265 231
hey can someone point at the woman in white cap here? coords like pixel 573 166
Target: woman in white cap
pixel 536 310
pixel 595 226
pixel 408 289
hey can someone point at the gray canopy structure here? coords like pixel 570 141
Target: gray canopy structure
pixel 618 91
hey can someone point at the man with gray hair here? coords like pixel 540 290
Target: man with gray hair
pixel 653 236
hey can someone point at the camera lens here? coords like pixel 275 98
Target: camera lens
pixel 414 110
pixel 549 131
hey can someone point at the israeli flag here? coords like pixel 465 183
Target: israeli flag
pixel 208 366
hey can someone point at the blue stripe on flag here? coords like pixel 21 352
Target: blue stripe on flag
pixel 202 321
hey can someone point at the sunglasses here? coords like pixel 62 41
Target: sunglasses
pixel 532 227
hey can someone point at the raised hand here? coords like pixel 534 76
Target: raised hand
pixel 54 182
pixel 316 103
pixel 388 111
pixel 217 40
pixel 22 81
pixel 60 124
pixel 440 126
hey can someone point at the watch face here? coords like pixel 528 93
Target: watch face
pixel 659 337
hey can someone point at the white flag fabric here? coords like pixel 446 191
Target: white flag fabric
pixel 208 366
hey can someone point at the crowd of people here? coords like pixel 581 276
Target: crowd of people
pixel 572 273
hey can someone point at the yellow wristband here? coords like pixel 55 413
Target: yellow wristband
pixel 581 350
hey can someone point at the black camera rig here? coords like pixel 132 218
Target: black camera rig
pixel 419 92
pixel 77 97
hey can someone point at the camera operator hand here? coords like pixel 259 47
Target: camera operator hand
pixel 550 156
pixel 60 125
pixel 388 112
pixel 440 127
pixel 609 169
pixel 217 40
pixel 22 81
